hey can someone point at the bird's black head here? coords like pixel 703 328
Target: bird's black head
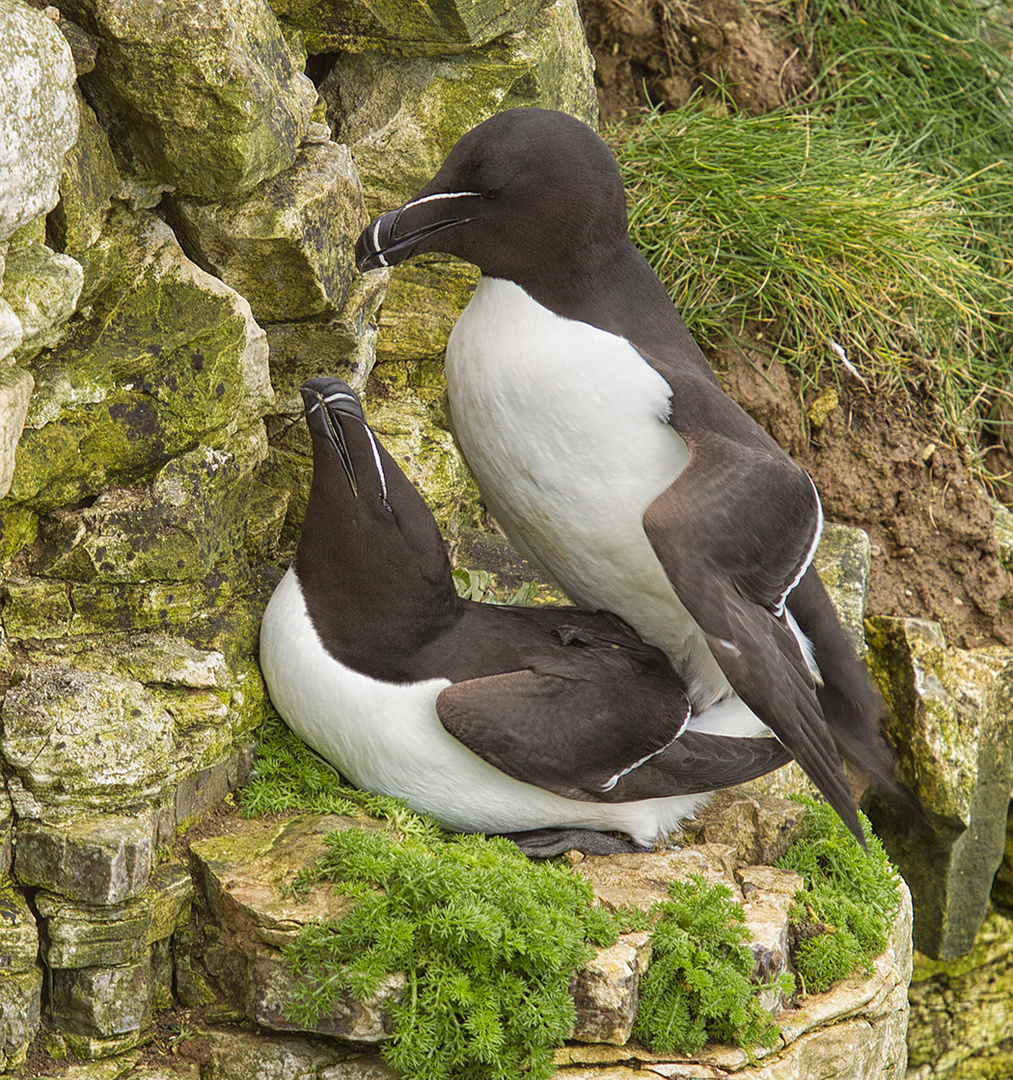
pixel 523 195
pixel 371 562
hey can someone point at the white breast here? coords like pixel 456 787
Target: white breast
pixel 565 428
pixel 387 738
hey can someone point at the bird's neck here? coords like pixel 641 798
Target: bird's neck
pixel 376 596
pixel 616 290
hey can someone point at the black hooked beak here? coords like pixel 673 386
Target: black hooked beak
pixel 326 401
pixel 392 238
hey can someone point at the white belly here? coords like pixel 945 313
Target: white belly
pixel 565 428
pixel 387 738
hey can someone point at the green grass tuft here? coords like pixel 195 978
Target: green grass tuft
pixel 825 236
pixel 935 74
pixel 697 988
pixel 849 901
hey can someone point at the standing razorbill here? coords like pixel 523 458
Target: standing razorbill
pixel 491 718
pixel 609 454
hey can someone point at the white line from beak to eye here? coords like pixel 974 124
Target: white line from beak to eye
pixel 441 195
pixel 313 407
pixel 340 396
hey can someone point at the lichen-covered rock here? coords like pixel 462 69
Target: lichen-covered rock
pixel 414 27
pixel 400 117
pixel 758 827
pixel 85 739
pixel 433 285
pixel 20 976
pixel 207 98
pixel 960 1009
pixel 42 288
pixel 6 834
pixel 855 1031
pixel 104 1002
pixel 289 246
pixel 414 430
pixel 91 857
pixel 1002 886
pixel 241 874
pixel 765 894
pixel 171 357
pixel 952 722
pixel 79 935
pixel 241 1055
pixel 11 331
pixel 606 990
pixel 767 897
pixel 639 880
pixel 38 113
pixel 15 391
pixel 89 181
pixel 344 345
pixel 843 560
pixel 189 522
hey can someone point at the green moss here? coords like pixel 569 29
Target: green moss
pixel 35 608
pixel 18 527
pixel 698 986
pixel 842 917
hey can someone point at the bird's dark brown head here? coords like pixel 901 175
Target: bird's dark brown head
pixel 522 194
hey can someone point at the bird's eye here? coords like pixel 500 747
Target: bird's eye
pixel 488 194
pixel 386 505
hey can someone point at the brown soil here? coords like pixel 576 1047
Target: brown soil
pixel 664 50
pixel 880 465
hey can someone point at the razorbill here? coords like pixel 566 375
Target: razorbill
pixel 492 718
pixel 605 448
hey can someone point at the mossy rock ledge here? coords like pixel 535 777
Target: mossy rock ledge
pixel 859 1024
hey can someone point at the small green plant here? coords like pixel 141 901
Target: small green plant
pixel 289 776
pixel 488 942
pixel 698 987
pixel 843 915
pixel 479 585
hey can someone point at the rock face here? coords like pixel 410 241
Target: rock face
pixel 166 76
pixel 953 724
pixel 960 1009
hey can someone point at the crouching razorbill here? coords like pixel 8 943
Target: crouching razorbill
pixel 492 718
pixel 605 448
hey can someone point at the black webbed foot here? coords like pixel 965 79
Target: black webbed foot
pixel 547 843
